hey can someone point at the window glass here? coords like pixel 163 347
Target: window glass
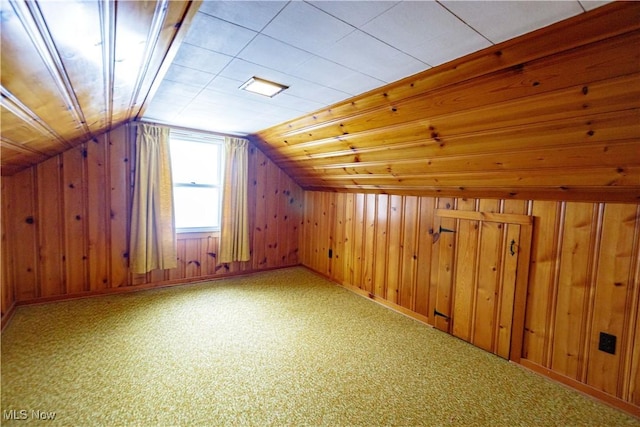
pixel 196 163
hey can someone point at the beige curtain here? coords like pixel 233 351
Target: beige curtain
pixel 153 236
pixel 234 230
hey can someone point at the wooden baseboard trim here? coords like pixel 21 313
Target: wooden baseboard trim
pixel 7 316
pixel 395 307
pixel 133 288
pixel 601 396
pixel 610 400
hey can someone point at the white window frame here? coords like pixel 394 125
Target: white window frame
pixel 204 138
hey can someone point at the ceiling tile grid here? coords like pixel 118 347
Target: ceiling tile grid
pixel 326 52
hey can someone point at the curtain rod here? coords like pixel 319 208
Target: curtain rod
pixel 186 129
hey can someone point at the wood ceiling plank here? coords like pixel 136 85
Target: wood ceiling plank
pixel 73 70
pixel 580 130
pixel 568 69
pixel 34 23
pixel 29 130
pixel 79 51
pixel 23 149
pixel 600 24
pixel 146 32
pixel 565 177
pixel 178 19
pixel 580 194
pixel 617 95
pixel 611 153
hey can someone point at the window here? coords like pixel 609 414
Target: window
pixel 196 163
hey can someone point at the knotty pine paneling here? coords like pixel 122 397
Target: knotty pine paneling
pixel 82 83
pixel 551 115
pixel 65 225
pixel 584 273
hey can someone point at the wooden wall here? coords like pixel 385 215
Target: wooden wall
pixel 550 115
pixel 584 274
pixel 65 225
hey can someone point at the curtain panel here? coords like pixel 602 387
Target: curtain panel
pixel 234 229
pixel 153 236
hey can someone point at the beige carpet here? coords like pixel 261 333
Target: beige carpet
pixel 278 348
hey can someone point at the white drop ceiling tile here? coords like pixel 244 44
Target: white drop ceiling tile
pixel 357 83
pixel 448 47
pixel 188 76
pixel 503 20
pixel 592 4
pixel 215 122
pixel 306 27
pixel 225 87
pixel 336 76
pixel 366 54
pixel 201 59
pixel 249 14
pixel 241 71
pixel 298 104
pixel 273 54
pixel 356 13
pixel 237 114
pixel 218 35
pixel 315 92
pixel 426 31
pixel 179 90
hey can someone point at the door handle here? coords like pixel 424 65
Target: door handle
pixel 511 248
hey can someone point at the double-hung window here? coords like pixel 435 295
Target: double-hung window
pixel 197 167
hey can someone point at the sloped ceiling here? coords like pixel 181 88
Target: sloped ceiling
pixel 74 69
pixel 326 52
pixel 71 70
pixel 551 115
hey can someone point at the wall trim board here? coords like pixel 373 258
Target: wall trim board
pixel 523 363
pixel 581 387
pixel 7 316
pixel 6 319
pixel 368 295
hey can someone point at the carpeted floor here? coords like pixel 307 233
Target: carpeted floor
pixel 284 347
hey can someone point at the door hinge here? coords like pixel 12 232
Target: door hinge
pixel 437 313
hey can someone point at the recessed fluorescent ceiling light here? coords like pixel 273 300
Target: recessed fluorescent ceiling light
pixel 263 87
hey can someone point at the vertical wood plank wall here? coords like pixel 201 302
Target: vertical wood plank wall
pixel 65 225
pixel 584 273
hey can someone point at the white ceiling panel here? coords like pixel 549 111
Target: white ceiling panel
pixel 356 13
pixel 336 76
pixel 241 71
pixel 218 35
pixel 249 14
pixel 306 27
pixel 370 56
pixel 592 4
pixel 271 53
pixel 229 87
pixel 189 76
pixel 515 17
pixel 201 59
pixel 325 51
pixel 426 31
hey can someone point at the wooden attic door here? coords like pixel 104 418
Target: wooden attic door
pixel 482 278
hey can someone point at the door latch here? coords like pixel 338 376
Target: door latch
pixel 437 313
